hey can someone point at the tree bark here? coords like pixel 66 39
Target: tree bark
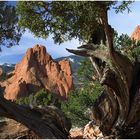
pixel 117 110
pixel 47 123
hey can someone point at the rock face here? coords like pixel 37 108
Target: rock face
pixel 136 34
pixel 38 70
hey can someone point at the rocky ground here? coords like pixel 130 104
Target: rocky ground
pixel 10 129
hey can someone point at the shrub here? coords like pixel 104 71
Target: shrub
pixel 79 102
pixel 41 98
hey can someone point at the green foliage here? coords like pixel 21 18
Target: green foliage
pixel 136 53
pixel 76 106
pixel 85 71
pixel 122 41
pixel 64 19
pixel 3 76
pixel 42 98
pixel 10 32
pixel 124 5
pixel 79 101
pixel 127 46
pixel 23 101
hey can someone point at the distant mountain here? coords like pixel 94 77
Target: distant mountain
pixel 74 60
pixel 75 63
pixel 8 67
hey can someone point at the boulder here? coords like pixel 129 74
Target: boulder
pixel 38 70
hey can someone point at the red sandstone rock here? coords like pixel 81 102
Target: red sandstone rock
pixel 37 70
pixel 136 34
pixel 92 131
pixel 76 133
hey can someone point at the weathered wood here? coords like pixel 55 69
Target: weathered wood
pixel 47 122
pixel 117 110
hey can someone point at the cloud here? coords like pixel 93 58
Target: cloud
pixel 28 41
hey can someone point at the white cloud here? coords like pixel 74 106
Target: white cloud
pixel 28 41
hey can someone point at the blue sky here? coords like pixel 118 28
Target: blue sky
pixel 123 23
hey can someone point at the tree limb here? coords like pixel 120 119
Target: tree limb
pixel 41 121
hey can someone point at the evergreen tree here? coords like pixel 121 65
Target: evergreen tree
pixel 10 32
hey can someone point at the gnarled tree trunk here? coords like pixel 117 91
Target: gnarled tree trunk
pixel 48 122
pixel 117 109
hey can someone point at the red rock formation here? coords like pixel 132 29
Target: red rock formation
pixel 76 133
pixel 37 70
pixel 90 131
pixel 136 34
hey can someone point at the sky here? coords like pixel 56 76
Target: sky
pixel 123 23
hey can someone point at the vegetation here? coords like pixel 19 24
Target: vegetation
pixel 41 98
pixel 127 46
pixel 79 102
pixel 85 71
pixel 71 20
pixel 10 32
pixel 3 76
pixel 77 108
